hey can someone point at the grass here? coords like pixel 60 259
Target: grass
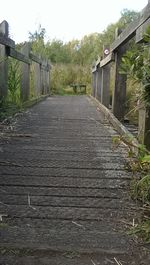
pixel 139 165
pixel 142 230
pixel 8 109
pixel 3 225
pixel 66 91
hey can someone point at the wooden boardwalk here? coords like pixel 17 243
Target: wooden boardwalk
pixel 63 190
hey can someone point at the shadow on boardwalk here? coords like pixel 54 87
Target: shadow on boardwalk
pixel 64 192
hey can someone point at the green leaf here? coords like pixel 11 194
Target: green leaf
pixel 146 159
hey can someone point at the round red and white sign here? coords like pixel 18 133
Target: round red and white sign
pixel 106 51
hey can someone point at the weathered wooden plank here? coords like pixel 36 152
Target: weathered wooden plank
pixel 25 76
pixel 119 93
pixel 45 67
pixel 3 62
pixel 55 182
pixel 49 66
pixel 94 73
pixel 130 31
pixel 105 86
pixel 94 68
pixel 97 62
pixel 147 129
pixel 107 60
pixel 49 212
pixel 66 238
pixel 37 78
pixel 144 126
pixel 19 56
pixel 125 36
pixel 47 82
pixel 7 41
pixel 99 83
pixel 141 31
pixel 35 58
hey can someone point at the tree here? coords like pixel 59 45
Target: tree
pixel 39 34
pixel 37 41
pixel 127 16
pixel 136 64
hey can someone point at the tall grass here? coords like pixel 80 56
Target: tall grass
pixel 14 81
pixel 63 75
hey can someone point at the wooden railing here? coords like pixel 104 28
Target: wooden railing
pixel 41 67
pixel 101 74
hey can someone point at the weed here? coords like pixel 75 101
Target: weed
pixel 139 165
pixel 3 225
pixel 142 230
pixel 14 81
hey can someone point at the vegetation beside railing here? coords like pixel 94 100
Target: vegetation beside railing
pixel 72 60
pixel 139 165
pixel 12 103
pixel 127 60
pixel 69 74
pixel 136 64
pixel 23 75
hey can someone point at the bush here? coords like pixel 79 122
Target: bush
pixel 14 81
pixel 63 75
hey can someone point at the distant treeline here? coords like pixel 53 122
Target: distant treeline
pixel 72 61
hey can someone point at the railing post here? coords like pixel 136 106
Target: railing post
pixel 25 76
pixel 105 85
pixel 93 83
pixel 43 78
pixel 49 76
pixel 144 126
pixel 119 93
pixel 47 79
pixel 37 78
pixel 96 82
pixel 105 80
pixel 98 85
pixel 3 62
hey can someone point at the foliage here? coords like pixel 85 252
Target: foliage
pixel 139 162
pixel 142 189
pixel 37 41
pixel 57 52
pixel 7 109
pixel 76 56
pixel 142 229
pixel 63 75
pixel 136 64
pixel 127 16
pixel 10 105
pixel 139 165
pixel 71 61
pixel 14 81
pixel 141 185
pixel 39 34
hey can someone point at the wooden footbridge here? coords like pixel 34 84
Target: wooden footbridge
pixel 64 191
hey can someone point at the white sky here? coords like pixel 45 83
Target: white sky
pixel 63 19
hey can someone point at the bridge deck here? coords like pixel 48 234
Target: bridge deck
pixel 63 190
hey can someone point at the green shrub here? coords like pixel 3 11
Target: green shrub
pixel 63 75
pixel 14 81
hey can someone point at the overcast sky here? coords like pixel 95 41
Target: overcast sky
pixel 63 19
